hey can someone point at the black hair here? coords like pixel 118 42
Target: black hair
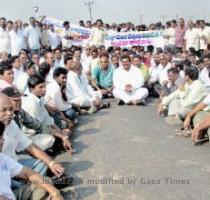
pixel 114 56
pixel 179 65
pixel 99 20
pixel 58 71
pixel 5 66
pixel 187 62
pixel 104 55
pixel 192 72
pixel 2 128
pixel 44 70
pixel 65 23
pixel 173 70
pixel 125 56
pixel 13 59
pixel 35 80
pixel 56 49
pixel 173 21
pixel 28 65
pixel 67 58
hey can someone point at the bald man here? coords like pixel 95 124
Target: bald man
pixel 79 90
pixel 17 141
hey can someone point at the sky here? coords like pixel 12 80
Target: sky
pixel 136 11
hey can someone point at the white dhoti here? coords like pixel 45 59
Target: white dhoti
pixel 139 94
pixel 87 101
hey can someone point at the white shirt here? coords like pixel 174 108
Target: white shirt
pixel 17 73
pixel 171 32
pixel 15 140
pixel 34 35
pixel 97 37
pixel 153 71
pixel 163 72
pixel 204 77
pixel 54 98
pixel 66 42
pixel 59 63
pixel 22 83
pixel 77 86
pixel 123 77
pixel 36 108
pixel 5 41
pixel 9 168
pixel 17 42
pixel 204 32
pixel 192 95
pixel 192 37
pixel 53 39
pixel 85 60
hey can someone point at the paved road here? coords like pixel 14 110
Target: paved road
pixel 136 156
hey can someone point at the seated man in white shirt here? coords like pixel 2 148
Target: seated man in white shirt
pixel 34 105
pixel 15 61
pixel 9 169
pixel 162 75
pixel 185 97
pixel 16 141
pixel 56 95
pixel 79 90
pixel 6 75
pixel 128 83
pixel 205 72
pixel 22 81
pixel 39 133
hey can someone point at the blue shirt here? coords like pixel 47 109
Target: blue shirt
pixel 104 78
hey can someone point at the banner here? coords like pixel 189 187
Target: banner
pixel 124 39
pixel 129 39
pixel 81 33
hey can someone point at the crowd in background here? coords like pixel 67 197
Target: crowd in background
pixel 46 83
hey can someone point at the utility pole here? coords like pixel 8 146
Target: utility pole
pixel 89 5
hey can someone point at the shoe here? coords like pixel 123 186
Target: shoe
pixel 62 182
pixel 105 105
pixel 201 140
pixel 120 102
pixel 141 102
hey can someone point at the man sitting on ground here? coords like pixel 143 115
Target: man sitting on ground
pixel 9 168
pixel 183 100
pixel 39 133
pixel 102 76
pixel 35 106
pixel 128 83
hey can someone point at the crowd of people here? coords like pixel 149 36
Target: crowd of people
pixel 46 84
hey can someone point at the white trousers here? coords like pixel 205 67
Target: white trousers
pixel 136 95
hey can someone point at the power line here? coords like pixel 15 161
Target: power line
pixel 89 4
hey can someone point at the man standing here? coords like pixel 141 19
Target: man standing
pixel 192 37
pixel 33 37
pixel 180 32
pixel 128 82
pixel 5 41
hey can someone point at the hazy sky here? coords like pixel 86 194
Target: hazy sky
pixel 108 10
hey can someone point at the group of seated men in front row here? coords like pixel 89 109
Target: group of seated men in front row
pixel 41 99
